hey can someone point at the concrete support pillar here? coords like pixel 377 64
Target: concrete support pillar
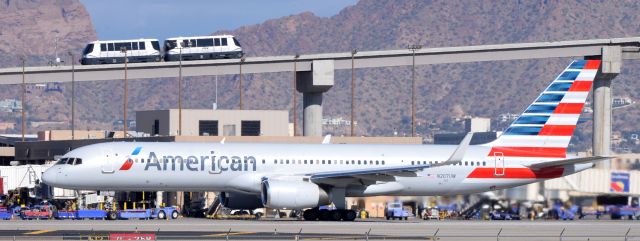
pixel 610 68
pixel 312 84
pixel 159 198
pixel 312 114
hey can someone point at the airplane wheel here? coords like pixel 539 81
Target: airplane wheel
pixel 310 214
pixel 349 215
pixel 162 215
pixel 335 215
pixel 112 215
pixel 323 215
pixel 174 214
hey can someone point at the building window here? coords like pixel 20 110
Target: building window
pixel 208 128
pixel 250 128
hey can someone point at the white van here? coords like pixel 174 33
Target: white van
pixel 110 52
pixel 202 47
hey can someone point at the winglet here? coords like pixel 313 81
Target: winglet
pixel 327 139
pixel 222 141
pixel 458 154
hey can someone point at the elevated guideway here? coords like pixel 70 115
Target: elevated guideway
pixel 315 72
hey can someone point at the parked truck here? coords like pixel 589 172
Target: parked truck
pixel 395 210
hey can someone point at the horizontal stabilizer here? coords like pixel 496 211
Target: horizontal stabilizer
pixel 569 161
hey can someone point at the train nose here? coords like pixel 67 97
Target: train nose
pixel 49 177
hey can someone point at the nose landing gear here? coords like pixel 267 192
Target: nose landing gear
pixel 329 215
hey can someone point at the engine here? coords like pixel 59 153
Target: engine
pixel 236 200
pixel 292 195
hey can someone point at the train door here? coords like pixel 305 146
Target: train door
pixel 217 45
pixel 499 164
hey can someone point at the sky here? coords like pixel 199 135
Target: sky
pixel 161 19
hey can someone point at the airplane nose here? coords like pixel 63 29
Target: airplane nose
pixel 49 177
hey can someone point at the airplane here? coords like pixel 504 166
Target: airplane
pixel 307 176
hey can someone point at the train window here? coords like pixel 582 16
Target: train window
pixel 134 46
pixel 88 49
pixel 235 41
pixel 78 161
pixel 217 42
pixel 192 43
pixel 155 45
pixel 412 163
pixel 103 47
pixel 311 161
pixel 170 44
pixel 382 162
pixel 329 161
pixel 120 46
pixel 142 45
pixel 205 42
pixel 224 42
pixel 111 47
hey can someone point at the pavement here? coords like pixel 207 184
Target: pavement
pixel 288 229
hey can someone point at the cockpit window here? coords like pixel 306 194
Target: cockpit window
pixel 69 161
pixel 62 161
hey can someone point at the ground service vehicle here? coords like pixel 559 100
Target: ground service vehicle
pixel 395 210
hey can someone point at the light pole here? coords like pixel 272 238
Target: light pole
pixel 353 89
pixel 413 48
pixel 73 94
pixel 241 62
pixel 293 100
pixel 24 93
pixel 124 111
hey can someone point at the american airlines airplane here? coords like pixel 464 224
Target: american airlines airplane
pixel 306 176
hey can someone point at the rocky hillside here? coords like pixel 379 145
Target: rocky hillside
pixel 445 91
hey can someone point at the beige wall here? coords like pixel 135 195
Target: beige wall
pixel 272 122
pixel 56 135
pixel 7 151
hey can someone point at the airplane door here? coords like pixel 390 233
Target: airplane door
pixel 107 162
pixel 499 163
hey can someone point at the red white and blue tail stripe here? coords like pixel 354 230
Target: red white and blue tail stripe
pixel 545 128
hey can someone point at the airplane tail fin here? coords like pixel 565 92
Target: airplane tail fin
pixel 545 128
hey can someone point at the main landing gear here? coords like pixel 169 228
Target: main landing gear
pixel 329 215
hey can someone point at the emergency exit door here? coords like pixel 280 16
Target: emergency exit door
pixel 499 163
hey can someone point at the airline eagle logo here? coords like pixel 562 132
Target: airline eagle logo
pixel 129 162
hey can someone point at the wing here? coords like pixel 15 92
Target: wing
pixel 569 161
pixel 389 173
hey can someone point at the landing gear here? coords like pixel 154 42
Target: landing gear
pixel 329 215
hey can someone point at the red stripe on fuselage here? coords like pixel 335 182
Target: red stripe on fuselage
pixel 559 152
pixel 569 108
pixel 516 172
pixel 557 130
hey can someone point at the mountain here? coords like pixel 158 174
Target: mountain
pixel 445 91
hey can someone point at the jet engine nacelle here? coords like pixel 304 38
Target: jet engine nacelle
pixel 292 195
pixel 236 200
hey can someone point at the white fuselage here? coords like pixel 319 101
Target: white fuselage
pixel 241 167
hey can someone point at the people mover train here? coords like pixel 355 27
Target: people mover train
pixel 148 50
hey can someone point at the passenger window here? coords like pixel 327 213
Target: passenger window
pixel 323 162
pixel 329 161
pixel 142 46
pixel 382 162
pixel 134 46
pixel 103 47
pixel 155 45
pixel 217 42
pixel 111 47
pixel 311 161
pixel 224 42
pixel 205 42
pixel 305 161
